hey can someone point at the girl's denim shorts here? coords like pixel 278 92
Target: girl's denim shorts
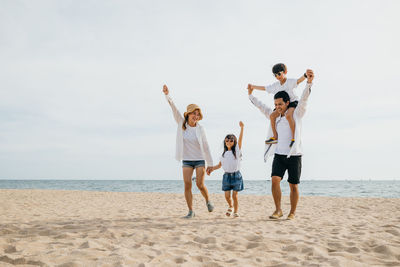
pixel 232 181
pixel 193 163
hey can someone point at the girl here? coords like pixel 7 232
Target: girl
pixel 192 148
pixel 230 162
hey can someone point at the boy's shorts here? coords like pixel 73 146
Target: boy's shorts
pixel 293 104
pixel 232 181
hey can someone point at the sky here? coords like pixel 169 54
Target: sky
pixel 81 84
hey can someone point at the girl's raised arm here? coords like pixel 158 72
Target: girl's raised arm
pixel 241 134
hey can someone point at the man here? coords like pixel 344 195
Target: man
pixel 286 157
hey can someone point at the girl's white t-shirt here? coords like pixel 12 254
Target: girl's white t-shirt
pixel 229 162
pixel 191 145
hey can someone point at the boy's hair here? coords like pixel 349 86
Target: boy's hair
pixel 278 68
pixel 282 94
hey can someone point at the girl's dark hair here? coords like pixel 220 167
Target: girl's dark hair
pixel 185 121
pixel 230 136
pixel 278 68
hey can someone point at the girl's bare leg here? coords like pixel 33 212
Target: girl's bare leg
pixel 235 201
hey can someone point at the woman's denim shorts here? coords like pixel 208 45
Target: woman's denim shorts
pixel 193 163
pixel 232 181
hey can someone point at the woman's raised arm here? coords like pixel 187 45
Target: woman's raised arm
pixel 177 115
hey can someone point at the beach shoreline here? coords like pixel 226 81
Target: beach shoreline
pixel 86 228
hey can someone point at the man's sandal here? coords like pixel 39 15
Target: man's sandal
pixel 276 215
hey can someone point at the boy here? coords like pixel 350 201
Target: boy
pixel 284 84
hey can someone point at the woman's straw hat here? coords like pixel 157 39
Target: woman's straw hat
pixel 191 108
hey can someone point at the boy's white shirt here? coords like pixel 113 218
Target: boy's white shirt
pixel 297 116
pixel 288 87
pixel 200 133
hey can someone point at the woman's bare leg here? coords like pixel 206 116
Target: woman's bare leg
pixel 200 173
pixel 187 179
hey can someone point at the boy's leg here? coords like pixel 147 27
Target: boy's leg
pixel 289 117
pixel 235 201
pixel 272 118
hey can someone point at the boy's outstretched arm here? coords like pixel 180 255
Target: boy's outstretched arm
pixel 241 134
pixel 303 77
pixel 256 87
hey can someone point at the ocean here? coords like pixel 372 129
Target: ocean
pixel 344 188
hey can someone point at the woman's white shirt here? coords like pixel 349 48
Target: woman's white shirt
pixel 229 162
pixel 191 145
pixel 200 133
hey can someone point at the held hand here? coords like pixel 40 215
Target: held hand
pixel 250 88
pixel 241 124
pixel 310 76
pixel 209 170
pixel 165 90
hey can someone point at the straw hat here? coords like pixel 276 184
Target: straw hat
pixel 191 108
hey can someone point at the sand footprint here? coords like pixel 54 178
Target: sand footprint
pixel 252 245
pixel 207 240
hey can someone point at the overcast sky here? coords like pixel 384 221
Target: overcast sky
pixel 81 84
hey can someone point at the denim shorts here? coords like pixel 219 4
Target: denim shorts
pixel 232 181
pixel 193 163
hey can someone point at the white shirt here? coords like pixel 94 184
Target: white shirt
pixel 298 114
pixel 229 162
pixel 191 145
pixel 284 136
pixel 200 134
pixel 288 87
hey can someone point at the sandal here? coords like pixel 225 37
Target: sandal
pixel 276 215
pixel 235 215
pixel 229 211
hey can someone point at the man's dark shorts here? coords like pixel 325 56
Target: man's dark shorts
pixel 293 165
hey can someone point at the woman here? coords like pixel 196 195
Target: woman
pixel 192 148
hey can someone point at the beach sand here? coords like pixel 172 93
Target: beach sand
pixel 79 228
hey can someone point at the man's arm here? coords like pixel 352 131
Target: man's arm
pixel 301 107
pixel 257 87
pixel 261 106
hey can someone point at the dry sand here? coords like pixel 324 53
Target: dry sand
pixel 77 228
